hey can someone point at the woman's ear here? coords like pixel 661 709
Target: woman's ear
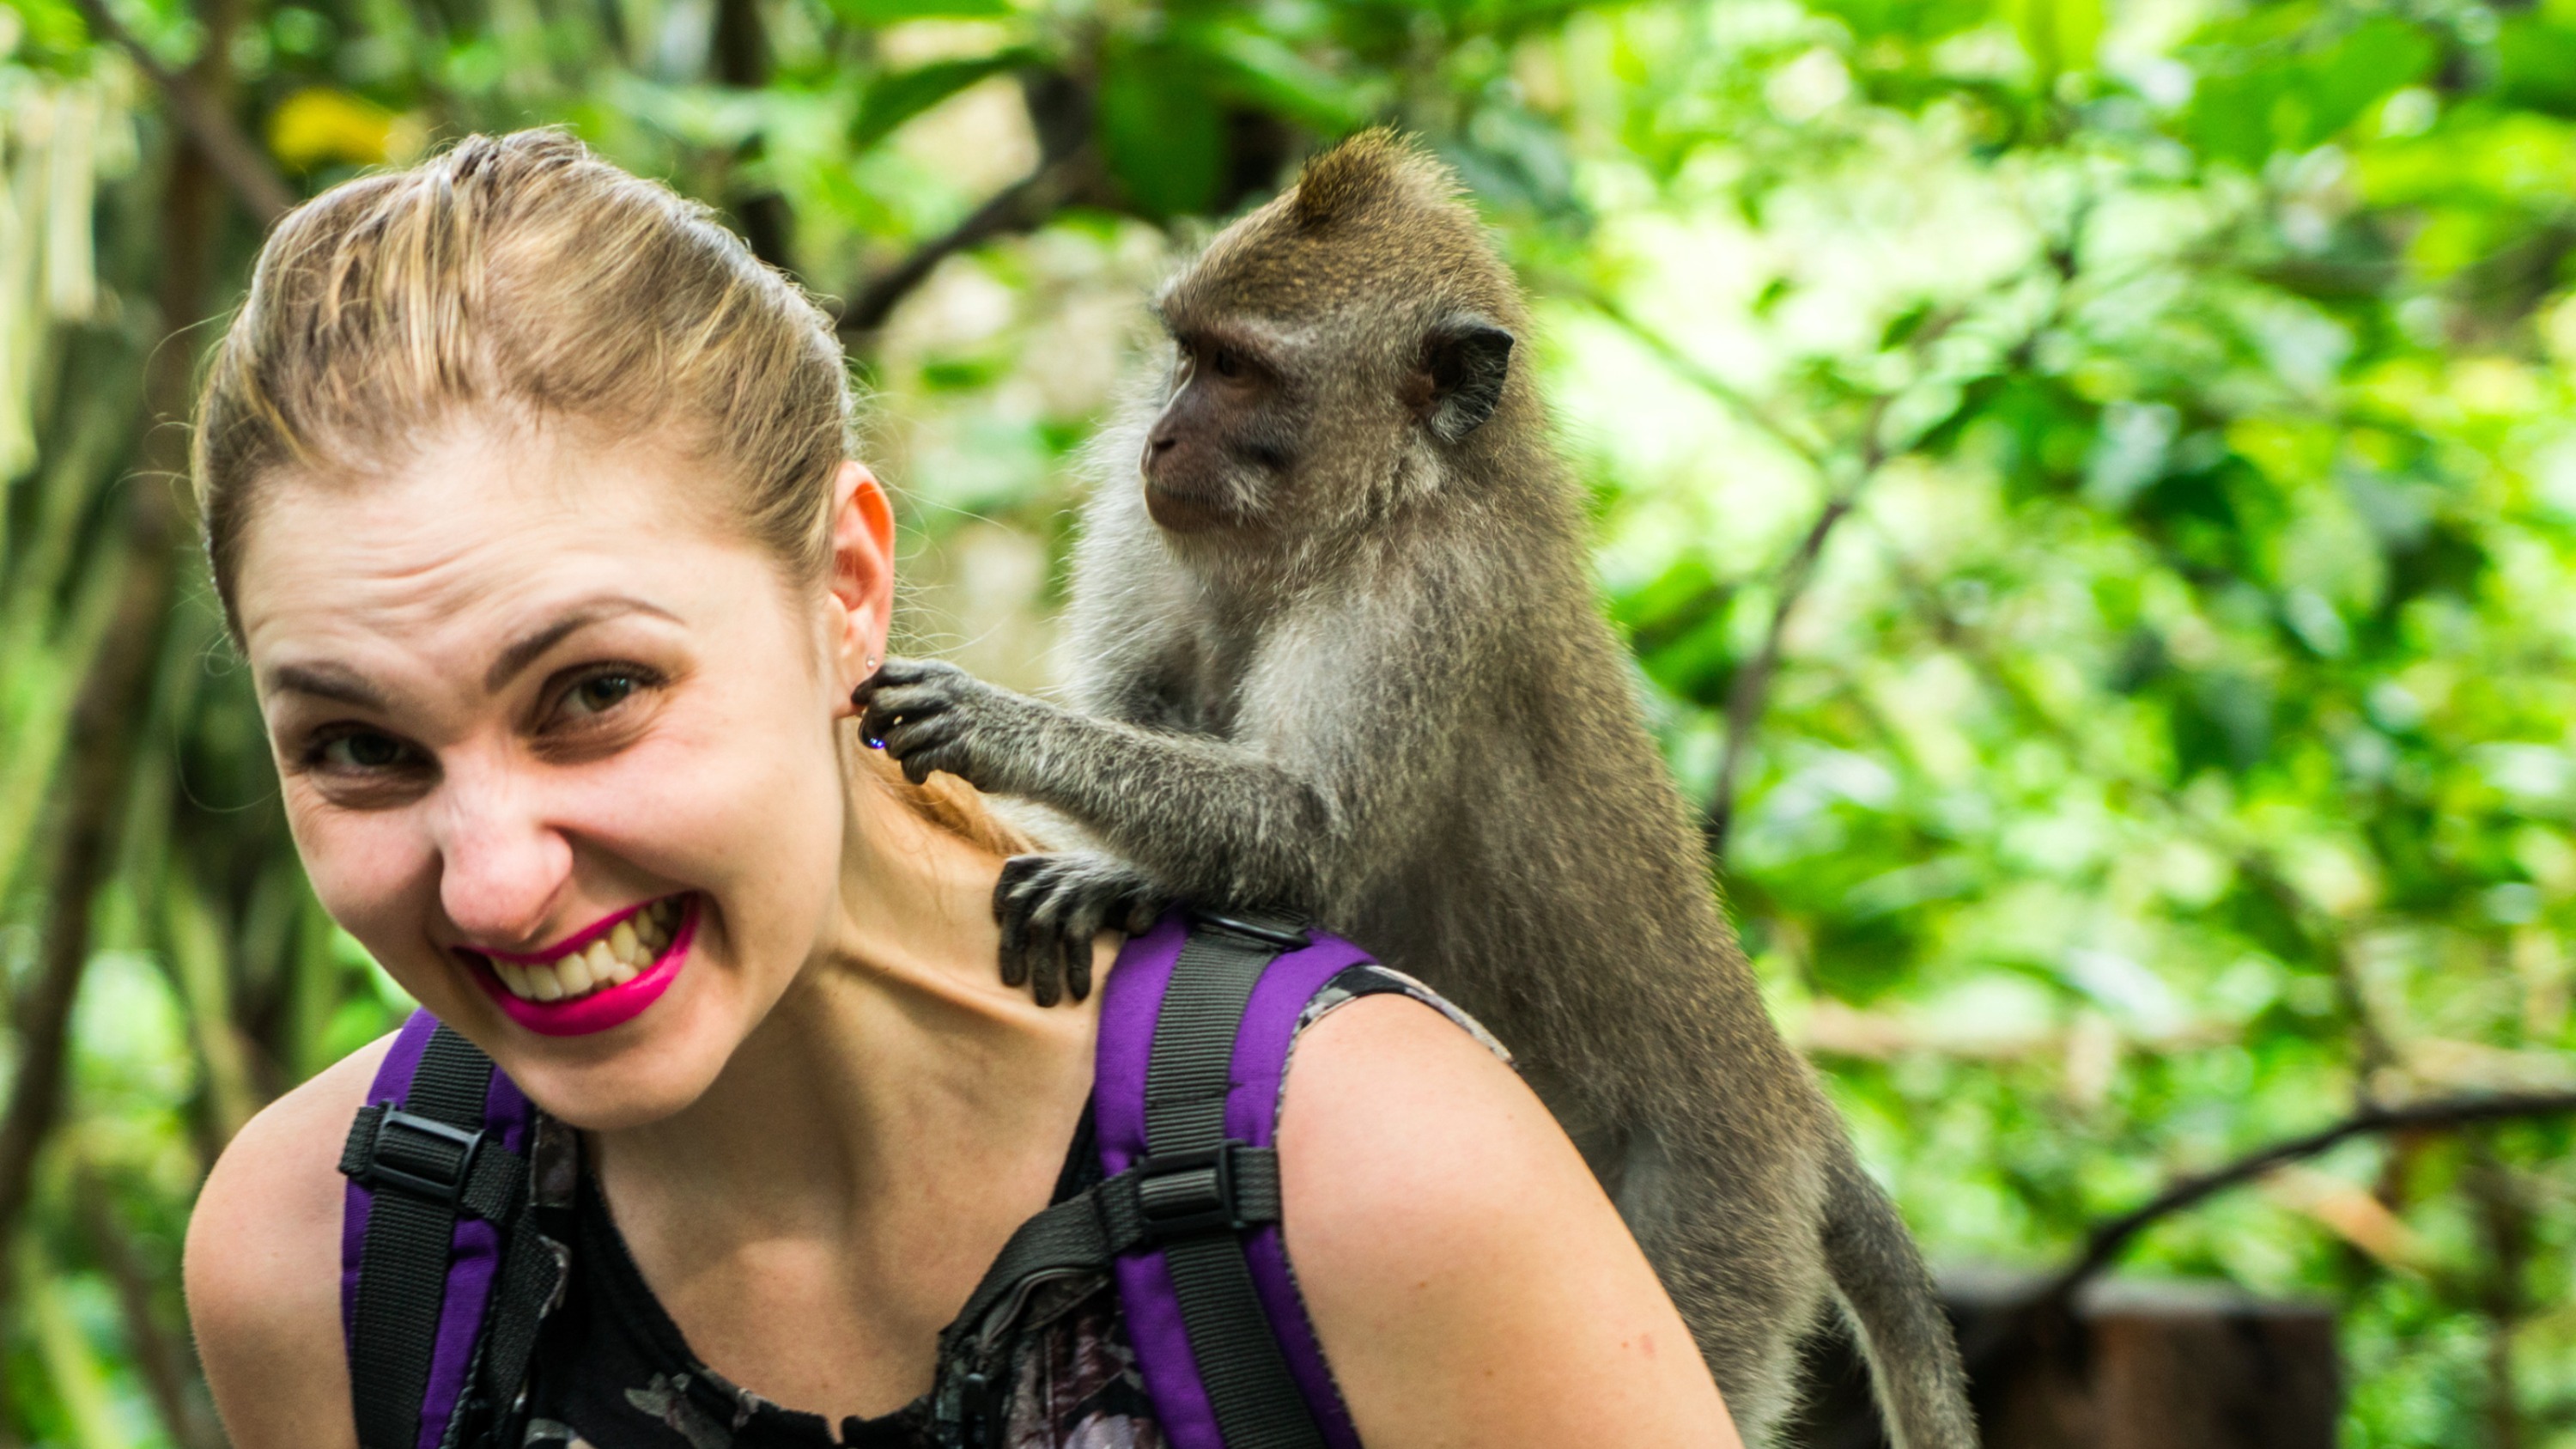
pixel 862 575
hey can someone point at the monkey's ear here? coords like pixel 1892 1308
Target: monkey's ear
pixel 1466 359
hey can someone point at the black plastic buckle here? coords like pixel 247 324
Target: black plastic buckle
pixel 1271 933
pixel 1189 1194
pixel 422 1156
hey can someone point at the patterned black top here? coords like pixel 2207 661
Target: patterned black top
pixel 612 1371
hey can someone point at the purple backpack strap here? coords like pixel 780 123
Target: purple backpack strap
pixel 1132 1006
pixel 437 1176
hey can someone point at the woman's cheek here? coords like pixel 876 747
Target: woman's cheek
pixel 365 870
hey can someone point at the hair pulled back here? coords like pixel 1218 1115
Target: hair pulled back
pixel 522 277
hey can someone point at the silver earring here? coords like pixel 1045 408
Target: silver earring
pixel 872 664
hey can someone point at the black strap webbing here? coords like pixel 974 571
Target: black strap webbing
pixel 1257 1403
pixel 1193 1196
pixel 426 1164
pixel 1102 1222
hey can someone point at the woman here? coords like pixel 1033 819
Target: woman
pixel 528 499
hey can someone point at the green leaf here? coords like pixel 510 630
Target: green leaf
pixel 2536 65
pixel 1264 72
pixel 894 99
pixel 2301 101
pixel 890 12
pixel 2058 35
pixel 1160 128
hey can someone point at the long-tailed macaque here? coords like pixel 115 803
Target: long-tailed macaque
pixel 1339 656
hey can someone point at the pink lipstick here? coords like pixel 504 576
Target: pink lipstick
pixel 601 976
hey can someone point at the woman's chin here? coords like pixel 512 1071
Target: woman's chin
pixel 619 1089
pixel 640 1071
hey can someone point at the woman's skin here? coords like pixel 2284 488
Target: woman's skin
pixel 532 677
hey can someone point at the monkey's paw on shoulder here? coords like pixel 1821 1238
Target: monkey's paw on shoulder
pixel 931 716
pixel 1051 907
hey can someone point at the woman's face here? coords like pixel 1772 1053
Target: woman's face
pixel 557 745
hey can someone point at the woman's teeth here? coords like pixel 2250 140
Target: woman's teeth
pixel 612 960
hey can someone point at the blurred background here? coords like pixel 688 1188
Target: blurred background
pixel 2089 485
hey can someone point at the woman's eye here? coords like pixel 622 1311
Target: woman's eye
pixel 361 750
pixel 600 693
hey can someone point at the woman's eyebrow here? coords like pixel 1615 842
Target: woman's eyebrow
pixel 531 647
pixel 327 681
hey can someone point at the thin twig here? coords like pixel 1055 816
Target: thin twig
pixel 1023 206
pixel 1691 370
pixel 235 156
pixel 1750 693
pixel 1749 696
pixel 2107 1239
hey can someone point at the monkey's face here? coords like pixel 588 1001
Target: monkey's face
pixel 1267 428
pixel 1225 446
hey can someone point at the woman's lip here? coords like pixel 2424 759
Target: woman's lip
pixel 578 941
pixel 599 1010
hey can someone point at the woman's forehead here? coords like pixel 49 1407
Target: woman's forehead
pixel 475 533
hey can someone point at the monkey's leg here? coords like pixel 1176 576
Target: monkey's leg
pixel 1051 907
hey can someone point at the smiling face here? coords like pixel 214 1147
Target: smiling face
pixel 557 745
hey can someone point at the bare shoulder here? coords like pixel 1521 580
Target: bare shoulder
pixel 1468 1279
pixel 263 1266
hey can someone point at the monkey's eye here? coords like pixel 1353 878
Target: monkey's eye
pixel 1227 362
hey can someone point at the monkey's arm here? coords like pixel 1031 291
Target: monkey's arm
pixel 1209 819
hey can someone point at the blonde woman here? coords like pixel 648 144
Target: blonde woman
pixel 529 499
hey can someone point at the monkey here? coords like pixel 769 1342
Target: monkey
pixel 1337 655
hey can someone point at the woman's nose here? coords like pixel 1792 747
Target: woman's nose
pixel 502 864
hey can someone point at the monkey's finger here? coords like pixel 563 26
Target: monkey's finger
pixel 891 674
pixel 1015 945
pixel 1017 872
pixel 1081 928
pixel 884 715
pixel 1046 937
pixel 907 738
pixel 1143 909
pixel 1046 966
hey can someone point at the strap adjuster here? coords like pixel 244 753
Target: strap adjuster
pixel 418 1155
pixel 1268 930
pixel 1188 1194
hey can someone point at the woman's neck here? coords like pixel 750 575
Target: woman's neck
pixel 899 1108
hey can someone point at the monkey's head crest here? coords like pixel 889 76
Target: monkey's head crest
pixel 1371 168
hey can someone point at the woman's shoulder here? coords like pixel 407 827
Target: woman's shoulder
pixel 1467 1277
pixel 263 1264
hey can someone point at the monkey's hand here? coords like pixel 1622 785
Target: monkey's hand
pixel 1050 908
pixel 931 716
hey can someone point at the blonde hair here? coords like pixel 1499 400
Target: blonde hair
pixel 524 275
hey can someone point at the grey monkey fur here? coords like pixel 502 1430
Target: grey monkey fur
pixel 1365 678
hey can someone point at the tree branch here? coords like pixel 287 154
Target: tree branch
pixel 2107 1239
pixel 1023 206
pixel 1811 450
pixel 742 61
pixel 116 688
pixel 1748 697
pixel 234 156
pixel 1750 693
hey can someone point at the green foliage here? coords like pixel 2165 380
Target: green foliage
pixel 2167 746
